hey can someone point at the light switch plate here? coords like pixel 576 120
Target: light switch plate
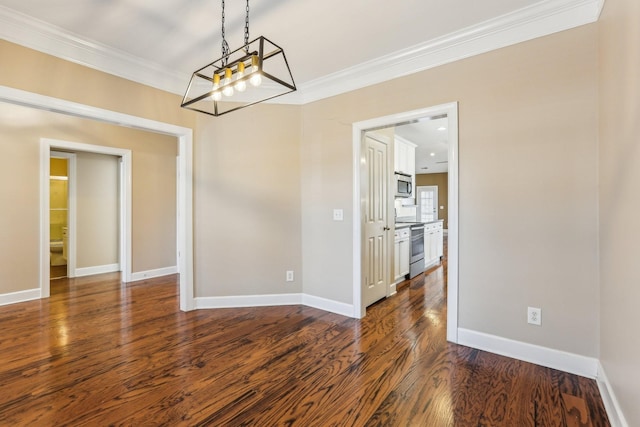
pixel 338 215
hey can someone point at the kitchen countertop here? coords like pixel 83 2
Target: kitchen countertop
pixel 402 225
pixel 408 224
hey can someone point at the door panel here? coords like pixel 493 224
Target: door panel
pixel 376 222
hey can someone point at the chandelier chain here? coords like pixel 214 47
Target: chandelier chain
pixel 225 45
pixel 246 29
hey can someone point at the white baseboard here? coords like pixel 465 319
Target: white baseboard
pixel 274 300
pixel 611 404
pixel 556 359
pixel 248 301
pixel 328 305
pixel 20 296
pixel 150 274
pixel 98 269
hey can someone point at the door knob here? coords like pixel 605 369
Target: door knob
pixel 386 228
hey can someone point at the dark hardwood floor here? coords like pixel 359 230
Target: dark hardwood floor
pixel 100 352
pixel 57 271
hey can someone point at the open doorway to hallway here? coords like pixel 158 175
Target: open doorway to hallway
pixel 86 212
pixel 59 203
pixel 98 226
pixel 181 252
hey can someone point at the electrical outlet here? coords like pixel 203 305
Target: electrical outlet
pixel 534 316
pixel 289 275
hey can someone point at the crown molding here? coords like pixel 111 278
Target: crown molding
pixel 538 20
pixel 41 36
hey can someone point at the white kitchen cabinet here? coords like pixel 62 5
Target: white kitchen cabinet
pixel 401 253
pixel 440 241
pixel 405 156
pixel 433 244
pixel 405 249
pixel 405 162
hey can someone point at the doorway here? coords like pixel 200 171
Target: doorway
pixel 61 212
pixel 427 203
pixel 184 137
pixel 449 110
pixel 123 217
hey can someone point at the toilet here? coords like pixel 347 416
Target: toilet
pixel 56 246
pixel 58 250
pixel 55 250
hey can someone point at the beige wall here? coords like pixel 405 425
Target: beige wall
pixel 620 201
pixel 247 207
pixel 526 112
pixel 246 181
pixel 58 199
pixel 441 180
pixel 33 71
pixel 153 188
pixel 58 167
pixel 97 204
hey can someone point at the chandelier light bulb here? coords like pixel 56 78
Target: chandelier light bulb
pixel 216 85
pixel 240 85
pixel 256 78
pixel 228 88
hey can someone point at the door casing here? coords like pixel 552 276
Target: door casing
pixel 358 129
pixel 185 161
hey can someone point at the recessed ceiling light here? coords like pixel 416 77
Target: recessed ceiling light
pixel 433 154
pixel 442 128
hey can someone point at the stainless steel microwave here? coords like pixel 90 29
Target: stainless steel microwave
pixel 403 185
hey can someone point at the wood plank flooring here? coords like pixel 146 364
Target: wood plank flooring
pixel 100 352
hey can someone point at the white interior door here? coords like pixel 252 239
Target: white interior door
pixel 376 251
pixel 427 201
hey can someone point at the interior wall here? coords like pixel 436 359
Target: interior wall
pixel 247 206
pixel 619 189
pixel 243 244
pixel 528 204
pixel 58 167
pixel 98 210
pixel 153 170
pixel 441 180
pixel 44 74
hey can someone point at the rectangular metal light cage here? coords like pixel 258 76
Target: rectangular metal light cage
pixel 270 65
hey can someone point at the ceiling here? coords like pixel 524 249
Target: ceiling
pixel 431 137
pixel 332 46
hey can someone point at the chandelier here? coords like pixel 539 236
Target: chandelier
pixel 256 72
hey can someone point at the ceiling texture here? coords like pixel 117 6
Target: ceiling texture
pixel 332 46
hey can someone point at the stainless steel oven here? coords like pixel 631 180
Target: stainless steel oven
pixel 416 265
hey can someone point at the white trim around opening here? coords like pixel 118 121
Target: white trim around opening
pixel 185 161
pixel 451 111
pixel 47 146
